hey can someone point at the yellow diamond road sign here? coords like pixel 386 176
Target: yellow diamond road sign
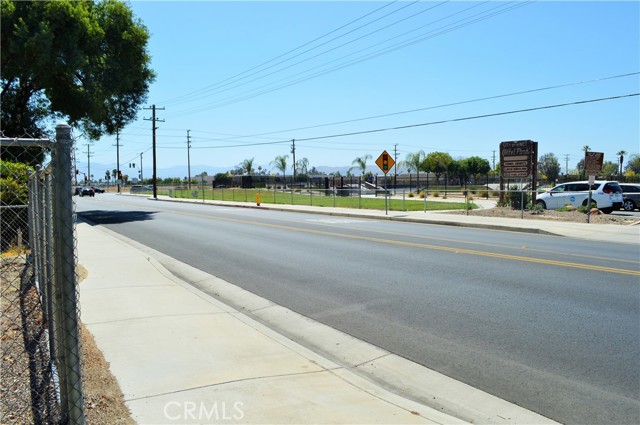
pixel 385 162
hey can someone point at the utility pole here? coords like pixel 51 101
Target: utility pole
pixel 395 169
pixel 189 157
pixel 141 175
pixel 494 160
pixel 118 157
pixel 566 164
pixel 293 151
pixel 75 165
pixel 153 120
pixel 88 162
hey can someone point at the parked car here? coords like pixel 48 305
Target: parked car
pixel 607 195
pixel 87 191
pixel 631 196
pixel 97 189
pixel 77 191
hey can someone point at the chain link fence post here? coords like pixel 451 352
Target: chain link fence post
pixel 65 277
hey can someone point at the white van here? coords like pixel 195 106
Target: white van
pixel 607 195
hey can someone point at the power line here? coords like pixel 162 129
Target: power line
pixel 403 127
pixel 423 37
pixel 215 85
pixel 448 104
pixel 202 96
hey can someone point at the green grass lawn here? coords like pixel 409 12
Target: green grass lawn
pixel 315 198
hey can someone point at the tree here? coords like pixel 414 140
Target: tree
pixel 549 166
pixel 438 163
pixel 580 167
pixel 247 166
pixel 360 163
pixel 475 166
pixel 609 169
pixel 633 164
pixel 302 165
pixel 414 162
pixel 281 164
pixel 85 61
pixel 621 154
pixel 223 179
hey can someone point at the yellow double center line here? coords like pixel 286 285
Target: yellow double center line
pixel 428 246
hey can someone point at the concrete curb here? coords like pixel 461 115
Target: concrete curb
pixel 385 369
pixel 425 220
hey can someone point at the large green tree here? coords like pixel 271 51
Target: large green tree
pixel 438 163
pixel 476 166
pixel 549 166
pixel 83 61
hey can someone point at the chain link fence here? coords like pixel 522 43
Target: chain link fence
pixel 41 380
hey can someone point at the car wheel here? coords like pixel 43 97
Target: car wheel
pixel 541 204
pixel 628 205
pixel 607 210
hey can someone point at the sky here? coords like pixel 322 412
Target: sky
pixel 244 79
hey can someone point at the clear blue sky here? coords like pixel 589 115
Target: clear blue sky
pixel 203 53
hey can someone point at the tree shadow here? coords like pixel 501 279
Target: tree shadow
pixel 97 217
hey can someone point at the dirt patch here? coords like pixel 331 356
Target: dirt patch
pixel 553 215
pixel 104 402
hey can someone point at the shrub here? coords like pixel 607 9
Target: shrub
pixel 411 195
pixel 13 192
pixel 516 199
pixel 585 209
pixel 535 208
pixel 436 194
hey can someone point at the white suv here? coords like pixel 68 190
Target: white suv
pixel 607 195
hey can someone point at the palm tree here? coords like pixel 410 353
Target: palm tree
pixel 586 148
pixel 247 166
pixel 281 164
pixel 360 163
pixel 414 162
pixel 621 154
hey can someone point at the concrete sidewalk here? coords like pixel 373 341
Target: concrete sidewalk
pixel 182 356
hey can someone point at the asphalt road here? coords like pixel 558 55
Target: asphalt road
pixel 549 323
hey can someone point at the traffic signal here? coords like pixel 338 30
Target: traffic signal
pixel 77 171
pixel 85 177
pixel 385 162
pixel 120 175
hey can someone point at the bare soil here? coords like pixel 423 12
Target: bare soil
pixel 554 215
pixel 104 402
